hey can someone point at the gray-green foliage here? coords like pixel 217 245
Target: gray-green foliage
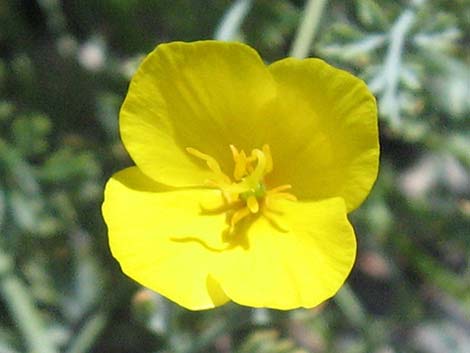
pixel 64 69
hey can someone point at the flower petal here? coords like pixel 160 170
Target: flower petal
pixel 205 95
pixel 323 132
pixel 301 267
pixel 161 239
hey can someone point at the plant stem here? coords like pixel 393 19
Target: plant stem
pixel 308 28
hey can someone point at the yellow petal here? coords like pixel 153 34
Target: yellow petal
pixel 205 95
pixel 323 132
pixel 162 240
pixel 298 267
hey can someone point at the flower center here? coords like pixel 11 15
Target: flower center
pixel 246 193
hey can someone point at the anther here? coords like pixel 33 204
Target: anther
pixel 269 159
pixel 252 204
pixel 238 216
pixel 239 158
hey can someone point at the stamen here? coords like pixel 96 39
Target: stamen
pixel 280 188
pixel 284 195
pixel 275 222
pixel 211 183
pixel 211 163
pixel 269 159
pixel 240 161
pixel 235 152
pixel 238 216
pixel 252 204
pixel 212 209
pixel 246 194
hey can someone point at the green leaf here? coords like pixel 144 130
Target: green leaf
pixel 30 134
pixel 66 165
pixel 451 87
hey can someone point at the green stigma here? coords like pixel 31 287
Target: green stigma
pixel 258 191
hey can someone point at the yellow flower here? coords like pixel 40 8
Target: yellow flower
pixel 244 176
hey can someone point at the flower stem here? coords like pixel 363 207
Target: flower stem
pixel 22 308
pixel 308 28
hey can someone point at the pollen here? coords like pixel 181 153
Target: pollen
pixel 245 193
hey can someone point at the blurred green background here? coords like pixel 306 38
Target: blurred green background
pixel 64 71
